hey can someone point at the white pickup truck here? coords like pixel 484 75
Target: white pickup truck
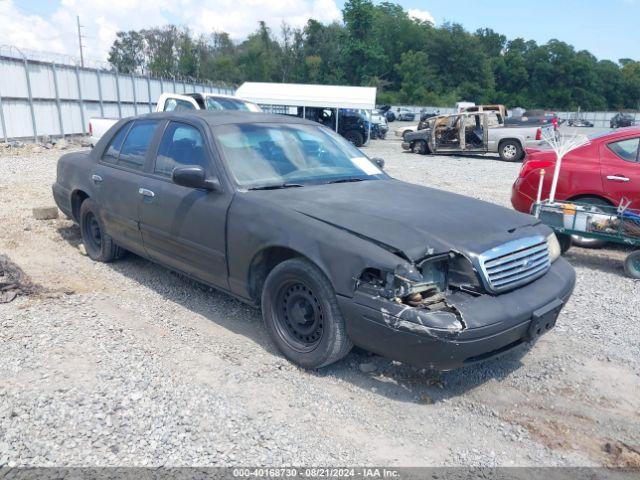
pixel 173 101
pixel 475 132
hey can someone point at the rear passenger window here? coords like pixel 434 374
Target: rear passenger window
pixel 135 146
pixel 177 105
pixel 181 145
pixel 113 150
pixel 626 149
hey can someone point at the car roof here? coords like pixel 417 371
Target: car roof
pixel 613 134
pixel 226 117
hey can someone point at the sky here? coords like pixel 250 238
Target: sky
pixel 610 29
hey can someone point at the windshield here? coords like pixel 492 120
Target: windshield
pixel 268 154
pixel 223 103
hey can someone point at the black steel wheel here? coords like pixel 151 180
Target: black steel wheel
pixel 301 315
pixel 98 244
pixel 299 318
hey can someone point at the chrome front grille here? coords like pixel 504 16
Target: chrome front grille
pixel 515 263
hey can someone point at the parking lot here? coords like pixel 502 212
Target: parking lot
pixel 130 364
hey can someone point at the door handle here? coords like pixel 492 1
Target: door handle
pixel 96 178
pixel 146 193
pixel 617 178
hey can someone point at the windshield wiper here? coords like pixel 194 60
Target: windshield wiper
pixel 347 180
pixel 277 186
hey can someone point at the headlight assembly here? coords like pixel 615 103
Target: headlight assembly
pixel 554 247
pixel 463 275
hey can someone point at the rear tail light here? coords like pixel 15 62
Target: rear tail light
pixel 538 134
pixel 90 129
pixel 532 164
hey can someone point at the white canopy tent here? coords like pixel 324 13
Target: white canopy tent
pixel 307 96
pixel 303 95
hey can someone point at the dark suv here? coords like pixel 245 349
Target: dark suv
pixel 620 120
pixel 352 124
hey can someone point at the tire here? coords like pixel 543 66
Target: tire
pixel 98 244
pixel 298 289
pixel 590 242
pixel 510 151
pixel 421 147
pixel 354 137
pixel 565 242
pixel 632 264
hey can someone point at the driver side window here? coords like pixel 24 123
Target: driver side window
pixel 181 145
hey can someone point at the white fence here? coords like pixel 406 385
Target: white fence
pixel 40 98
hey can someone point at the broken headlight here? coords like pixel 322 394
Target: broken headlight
pixel 462 275
pixel 554 247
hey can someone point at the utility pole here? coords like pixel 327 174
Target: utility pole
pixel 80 41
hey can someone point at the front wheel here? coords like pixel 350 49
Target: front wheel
pixel 420 146
pixel 632 265
pixel 301 314
pixel 510 151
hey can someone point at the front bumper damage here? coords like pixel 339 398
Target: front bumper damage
pixel 470 328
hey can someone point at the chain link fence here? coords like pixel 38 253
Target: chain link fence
pixel 40 97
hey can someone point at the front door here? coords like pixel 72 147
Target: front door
pixel 184 228
pixel 620 170
pixel 446 134
pixel 116 178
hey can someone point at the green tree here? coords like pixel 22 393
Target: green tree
pixel 127 53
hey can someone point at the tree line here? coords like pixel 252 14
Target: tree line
pixel 408 60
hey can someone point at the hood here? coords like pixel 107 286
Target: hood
pixel 413 220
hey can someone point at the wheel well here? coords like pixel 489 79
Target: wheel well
pixel 77 197
pixel 262 264
pixel 509 140
pixel 586 195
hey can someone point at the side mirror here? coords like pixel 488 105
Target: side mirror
pixel 193 176
pixel 379 162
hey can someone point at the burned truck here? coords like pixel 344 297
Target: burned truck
pixel 475 132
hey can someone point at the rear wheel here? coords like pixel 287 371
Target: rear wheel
pixel 98 244
pixel 632 265
pixel 510 151
pixel 590 242
pixel 355 137
pixel 301 314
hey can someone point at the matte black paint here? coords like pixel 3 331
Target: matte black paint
pixel 224 237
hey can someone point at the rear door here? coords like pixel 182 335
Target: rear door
pixel 117 176
pixel 184 228
pixel 475 137
pixel 620 169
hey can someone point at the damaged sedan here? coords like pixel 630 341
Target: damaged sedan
pixel 285 214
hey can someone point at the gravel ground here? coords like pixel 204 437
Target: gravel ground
pixel 130 364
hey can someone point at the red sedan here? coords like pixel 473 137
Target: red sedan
pixel 602 172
